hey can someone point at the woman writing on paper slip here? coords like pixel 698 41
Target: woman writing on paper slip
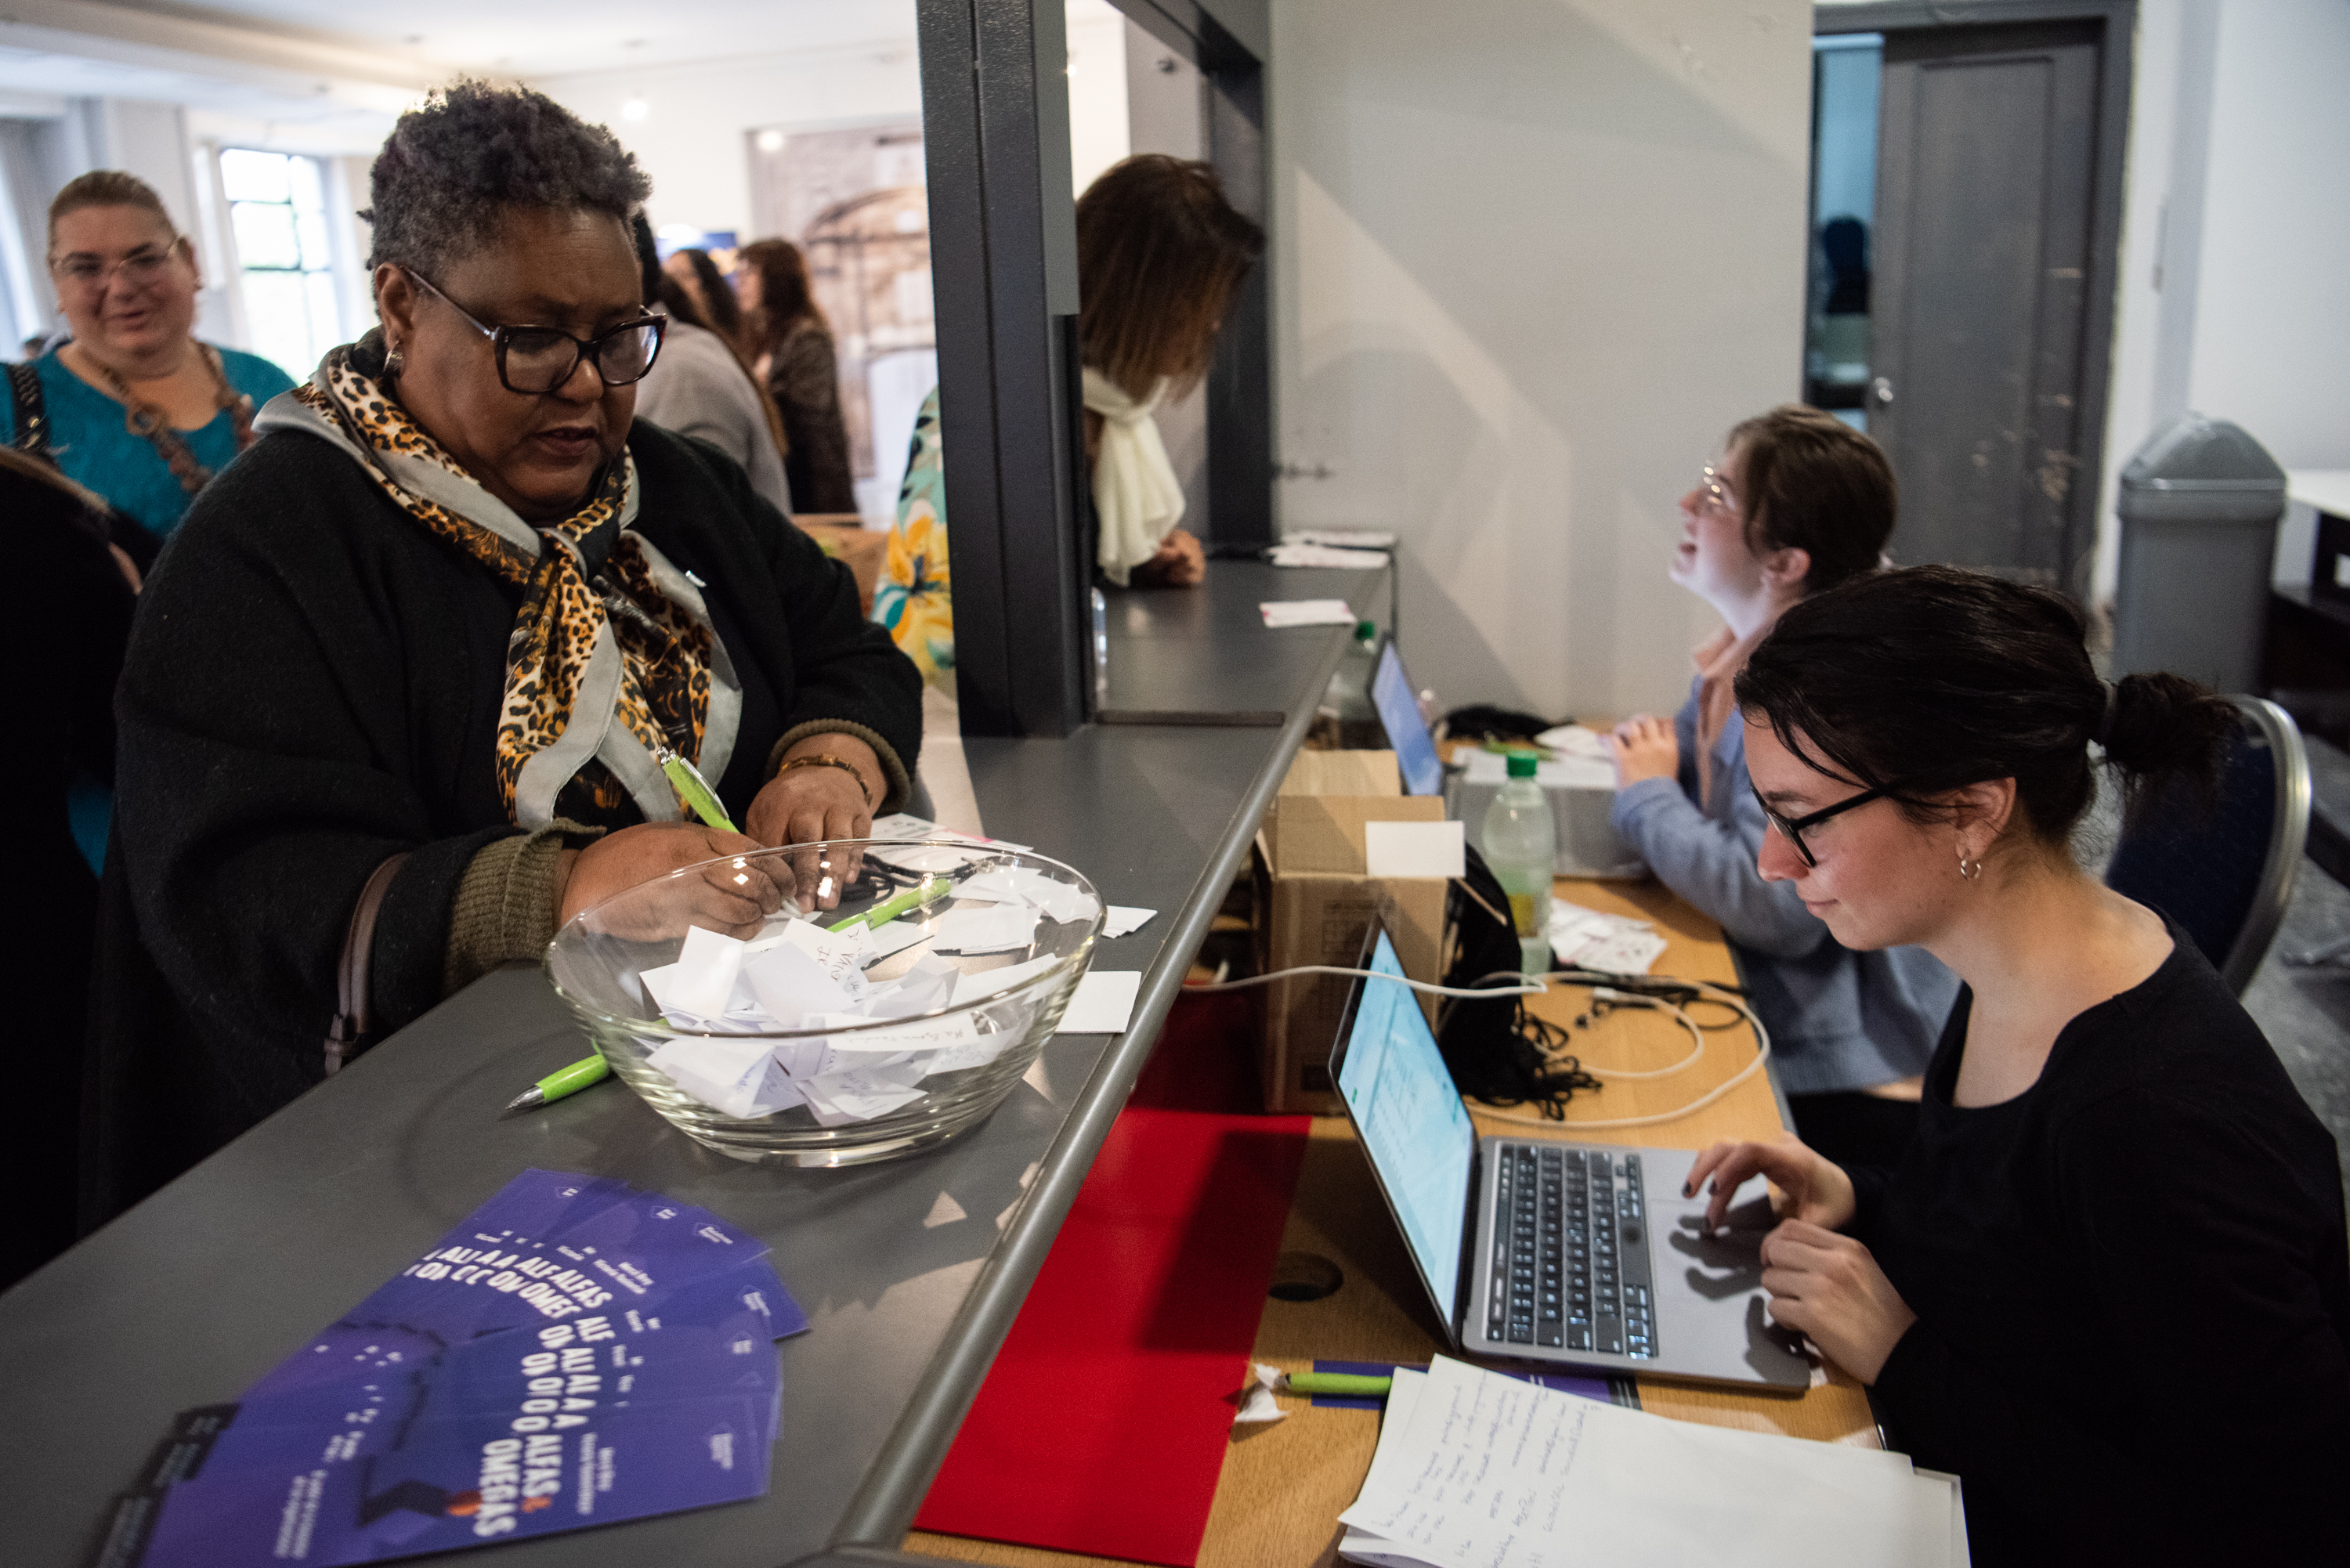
pixel 453 607
pixel 2107 1283
pixel 1798 503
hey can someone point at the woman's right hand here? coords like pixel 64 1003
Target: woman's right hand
pixel 1813 1190
pixel 733 897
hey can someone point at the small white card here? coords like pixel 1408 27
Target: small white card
pixel 1103 1002
pixel 1125 920
pixel 1281 613
pixel 702 980
pixel 1414 849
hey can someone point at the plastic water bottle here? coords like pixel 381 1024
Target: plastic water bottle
pixel 1520 847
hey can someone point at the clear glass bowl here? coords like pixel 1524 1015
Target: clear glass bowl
pixel 599 959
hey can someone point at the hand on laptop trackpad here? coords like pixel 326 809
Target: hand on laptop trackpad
pixel 1727 1262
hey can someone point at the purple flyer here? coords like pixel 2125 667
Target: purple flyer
pixel 573 1353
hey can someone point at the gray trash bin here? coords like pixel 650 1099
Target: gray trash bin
pixel 2200 505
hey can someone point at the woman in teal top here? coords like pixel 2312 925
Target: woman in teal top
pixel 133 407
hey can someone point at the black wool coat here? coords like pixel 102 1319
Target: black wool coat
pixel 312 686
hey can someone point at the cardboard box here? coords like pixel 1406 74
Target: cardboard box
pixel 1313 903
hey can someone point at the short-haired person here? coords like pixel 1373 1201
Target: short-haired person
pixel 136 409
pixel 452 607
pixel 2107 1286
pixel 1799 502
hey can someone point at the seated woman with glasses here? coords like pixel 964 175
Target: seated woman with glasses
pixel 1798 503
pixel 416 663
pixel 132 406
pixel 2107 1285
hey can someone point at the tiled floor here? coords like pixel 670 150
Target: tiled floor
pixel 2305 1012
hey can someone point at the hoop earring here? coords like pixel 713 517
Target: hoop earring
pixel 1968 870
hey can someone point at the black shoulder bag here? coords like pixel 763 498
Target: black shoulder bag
pixel 1497 1050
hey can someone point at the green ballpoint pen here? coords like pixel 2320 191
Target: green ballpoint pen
pixel 1352 1384
pixel 561 1082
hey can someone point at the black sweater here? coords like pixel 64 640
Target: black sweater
pixel 2132 1290
pixel 313 685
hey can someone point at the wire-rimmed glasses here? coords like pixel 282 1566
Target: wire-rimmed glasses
pixel 141 268
pixel 1713 494
pixel 533 359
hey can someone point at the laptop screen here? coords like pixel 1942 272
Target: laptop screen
pixel 1423 770
pixel 1412 1123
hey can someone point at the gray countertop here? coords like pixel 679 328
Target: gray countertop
pixel 192 1295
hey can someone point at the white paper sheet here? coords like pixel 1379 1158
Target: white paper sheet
pixel 1103 1002
pixel 1329 556
pixel 1414 849
pixel 1279 613
pixel 894 937
pixel 1614 944
pixel 925 988
pixel 1486 1472
pixel 984 929
pixel 703 978
pixel 739 1078
pixel 1347 538
pixel 987 982
pixel 1125 920
pixel 861 1094
pixel 1032 889
pixel 790 985
pixel 860 1047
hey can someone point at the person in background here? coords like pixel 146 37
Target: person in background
pixel 795 357
pixel 700 386
pixel 1160 254
pixel 1798 503
pixel 64 642
pixel 132 406
pixel 414 661
pixel 697 272
pixel 2107 1283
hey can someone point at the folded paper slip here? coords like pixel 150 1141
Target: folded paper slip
pixel 1102 1425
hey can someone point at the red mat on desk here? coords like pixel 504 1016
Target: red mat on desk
pixel 1101 1428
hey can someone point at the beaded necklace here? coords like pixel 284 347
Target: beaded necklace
pixel 150 423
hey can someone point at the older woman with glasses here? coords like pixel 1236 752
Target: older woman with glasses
pixel 2107 1283
pixel 401 698
pixel 132 406
pixel 1797 503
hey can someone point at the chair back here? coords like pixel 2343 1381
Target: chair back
pixel 2224 873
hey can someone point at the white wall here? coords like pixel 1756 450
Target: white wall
pixel 691 138
pixel 1097 115
pixel 1532 259
pixel 2233 299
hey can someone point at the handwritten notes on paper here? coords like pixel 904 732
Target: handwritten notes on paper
pixel 1477 1471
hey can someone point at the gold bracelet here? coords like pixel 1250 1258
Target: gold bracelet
pixel 827 760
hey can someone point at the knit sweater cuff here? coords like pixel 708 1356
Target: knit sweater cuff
pixel 900 790
pixel 506 902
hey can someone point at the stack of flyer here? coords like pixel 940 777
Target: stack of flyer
pixel 576 1352
pixel 1475 1470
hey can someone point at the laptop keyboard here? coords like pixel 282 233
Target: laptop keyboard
pixel 1570 1264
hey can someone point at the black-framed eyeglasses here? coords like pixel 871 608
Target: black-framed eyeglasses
pixel 1792 829
pixel 533 360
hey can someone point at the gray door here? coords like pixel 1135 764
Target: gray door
pixel 1986 163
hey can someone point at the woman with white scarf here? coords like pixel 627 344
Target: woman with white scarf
pixel 1160 253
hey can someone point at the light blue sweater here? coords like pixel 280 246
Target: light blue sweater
pixel 1838 1018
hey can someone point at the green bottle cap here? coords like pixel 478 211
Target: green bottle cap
pixel 1522 764
pixel 1366 631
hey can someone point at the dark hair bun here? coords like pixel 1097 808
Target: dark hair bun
pixel 2163 724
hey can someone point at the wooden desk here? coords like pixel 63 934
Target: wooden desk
pixel 1283 1485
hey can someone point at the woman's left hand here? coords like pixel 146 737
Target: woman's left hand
pixel 1645 748
pixel 1181 563
pixel 1829 1289
pixel 801 805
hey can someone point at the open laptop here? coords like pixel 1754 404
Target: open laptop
pixel 1399 709
pixel 1536 1250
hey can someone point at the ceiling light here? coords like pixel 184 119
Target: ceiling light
pixel 771 141
pixel 635 108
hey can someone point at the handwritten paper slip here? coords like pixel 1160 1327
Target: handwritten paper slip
pixel 1477 1471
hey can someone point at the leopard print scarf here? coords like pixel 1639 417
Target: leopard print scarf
pixel 606 665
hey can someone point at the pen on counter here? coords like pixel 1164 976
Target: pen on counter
pixel 1350 1384
pixel 561 1082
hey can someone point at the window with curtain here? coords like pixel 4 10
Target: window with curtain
pixel 277 211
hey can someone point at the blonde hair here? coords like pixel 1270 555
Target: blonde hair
pixel 107 188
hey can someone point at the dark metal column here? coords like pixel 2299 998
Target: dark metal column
pixel 995 126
